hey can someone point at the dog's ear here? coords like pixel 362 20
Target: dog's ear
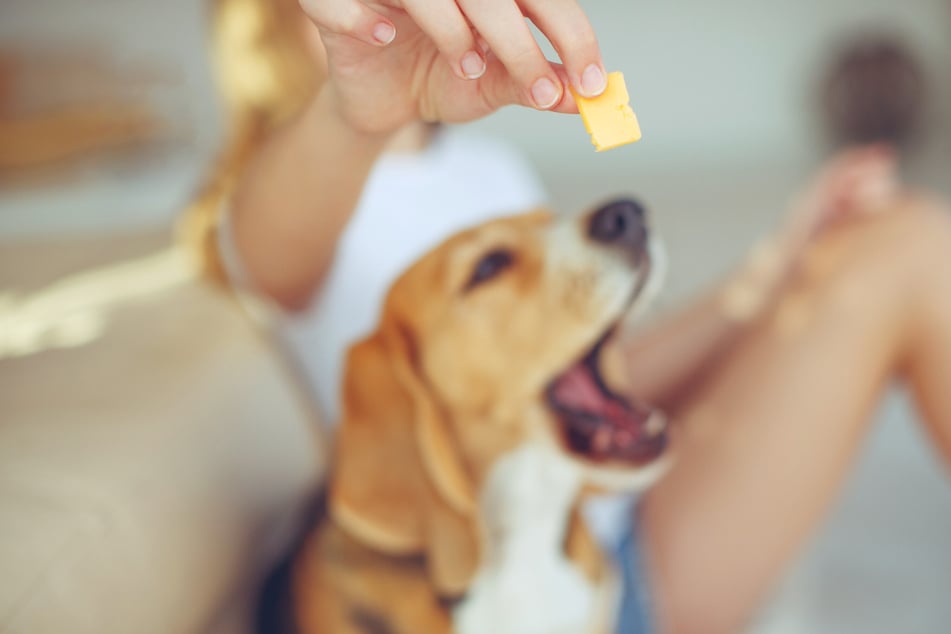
pixel 398 484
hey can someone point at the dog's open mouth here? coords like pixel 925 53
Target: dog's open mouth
pixel 598 424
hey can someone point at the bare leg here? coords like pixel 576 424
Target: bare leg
pixel 767 439
pixel 928 364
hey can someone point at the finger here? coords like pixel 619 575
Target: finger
pixel 351 18
pixel 566 26
pixel 500 89
pixel 501 24
pixel 567 104
pixel 445 25
pixel 873 185
pixel 857 181
pixel 845 161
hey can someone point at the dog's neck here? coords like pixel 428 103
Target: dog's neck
pixel 526 584
pixel 528 498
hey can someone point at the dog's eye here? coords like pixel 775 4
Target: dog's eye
pixel 489 266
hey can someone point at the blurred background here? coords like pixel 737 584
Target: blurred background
pixel 109 114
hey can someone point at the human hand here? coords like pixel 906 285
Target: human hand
pixel 391 62
pixel 856 182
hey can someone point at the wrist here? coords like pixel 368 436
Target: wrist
pixel 324 112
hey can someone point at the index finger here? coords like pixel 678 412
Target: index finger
pixel 502 25
pixel 567 27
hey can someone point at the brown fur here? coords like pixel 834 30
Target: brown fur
pixel 427 411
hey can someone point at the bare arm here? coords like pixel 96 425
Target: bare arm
pixel 391 65
pixel 296 197
pixel 667 360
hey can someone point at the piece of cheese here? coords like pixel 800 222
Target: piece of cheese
pixel 608 117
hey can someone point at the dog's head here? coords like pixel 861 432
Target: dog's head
pixel 498 337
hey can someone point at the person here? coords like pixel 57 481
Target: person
pixel 338 174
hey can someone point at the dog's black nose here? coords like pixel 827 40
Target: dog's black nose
pixel 621 223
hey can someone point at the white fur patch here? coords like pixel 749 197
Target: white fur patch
pixel 602 278
pixel 526 584
pixel 654 283
pixel 627 480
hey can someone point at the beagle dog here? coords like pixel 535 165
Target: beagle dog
pixel 475 418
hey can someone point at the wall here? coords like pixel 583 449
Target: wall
pixel 724 86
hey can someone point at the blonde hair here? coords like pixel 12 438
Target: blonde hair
pixel 265 74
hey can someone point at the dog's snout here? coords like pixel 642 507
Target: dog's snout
pixel 621 223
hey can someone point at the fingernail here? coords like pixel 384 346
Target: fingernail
pixel 473 66
pixel 544 93
pixel 593 81
pixel 384 33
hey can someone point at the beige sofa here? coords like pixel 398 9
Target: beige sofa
pixel 152 450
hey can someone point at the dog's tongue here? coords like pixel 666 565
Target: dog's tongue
pixel 579 390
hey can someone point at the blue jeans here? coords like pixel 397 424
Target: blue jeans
pixel 635 615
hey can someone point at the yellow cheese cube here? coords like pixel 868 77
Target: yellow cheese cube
pixel 609 118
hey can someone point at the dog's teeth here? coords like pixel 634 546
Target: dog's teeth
pixel 602 439
pixel 656 424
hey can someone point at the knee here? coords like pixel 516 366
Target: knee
pixel 899 248
pixel 921 229
pixel 879 264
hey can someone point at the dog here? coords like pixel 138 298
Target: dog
pixel 475 419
